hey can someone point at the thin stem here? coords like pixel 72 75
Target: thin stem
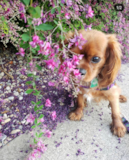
pixel 31 1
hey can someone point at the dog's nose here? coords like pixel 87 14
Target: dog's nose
pixel 82 71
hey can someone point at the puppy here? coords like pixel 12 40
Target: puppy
pixel 99 68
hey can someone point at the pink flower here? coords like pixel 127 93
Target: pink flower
pixel 51 83
pixel 35 38
pixel 41 147
pixel 1 119
pixel 41 120
pixel 69 2
pixel 90 12
pixel 48 103
pixel 48 133
pixel 66 79
pixel 37 21
pixel 67 16
pixel 31 64
pixel 51 64
pixel 53 115
pixel 47 46
pixel 30 118
pixel 33 44
pixel 21 52
pixel 22 16
pixel 76 72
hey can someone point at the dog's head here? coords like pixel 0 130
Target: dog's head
pixel 102 57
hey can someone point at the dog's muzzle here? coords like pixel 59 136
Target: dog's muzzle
pixel 82 71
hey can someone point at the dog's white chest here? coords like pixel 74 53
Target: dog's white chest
pixel 88 96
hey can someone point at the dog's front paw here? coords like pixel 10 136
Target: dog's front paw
pixel 122 99
pixel 118 129
pixel 75 115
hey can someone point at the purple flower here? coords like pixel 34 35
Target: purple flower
pixel 22 71
pixel 22 7
pixel 69 2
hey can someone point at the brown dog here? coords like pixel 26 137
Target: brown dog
pixel 99 66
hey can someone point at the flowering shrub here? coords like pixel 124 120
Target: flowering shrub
pixel 109 20
pixel 45 23
pixel 10 31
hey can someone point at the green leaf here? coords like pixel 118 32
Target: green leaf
pixel 35 108
pixel 44 27
pixel 53 10
pixel 30 75
pixel 35 142
pixel 37 135
pixel 38 67
pixel 33 102
pixel 62 37
pixel 41 107
pixel 41 116
pixel 62 4
pixel 39 123
pixel 28 82
pixel 29 91
pixel 40 134
pixel 2 18
pixel 38 102
pixel 35 12
pixel 25 37
pixel 37 48
pixel 56 22
pixel 59 9
pixel 35 121
pixel 36 76
pixel 33 50
pixel 24 45
pixel 63 20
pixel 33 84
pixel 26 2
pixel 38 12
pixel 29 21
pixel 36 93
pixel 33 126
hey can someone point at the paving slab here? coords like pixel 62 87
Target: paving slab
pixel 91 135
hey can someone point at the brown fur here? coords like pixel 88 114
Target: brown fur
pixel 108 49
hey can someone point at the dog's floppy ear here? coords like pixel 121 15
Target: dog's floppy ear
pixel 113 61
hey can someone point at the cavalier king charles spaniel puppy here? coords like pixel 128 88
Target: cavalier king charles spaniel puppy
pixel 99 68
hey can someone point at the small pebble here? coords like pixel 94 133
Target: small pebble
pixel 16 93
pixel 5 116
pixel 6 121
pixel 20 98
pixel 11 98
pixel 8 88
pixel 15 131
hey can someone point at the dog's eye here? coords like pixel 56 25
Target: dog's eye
pixel 95 59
